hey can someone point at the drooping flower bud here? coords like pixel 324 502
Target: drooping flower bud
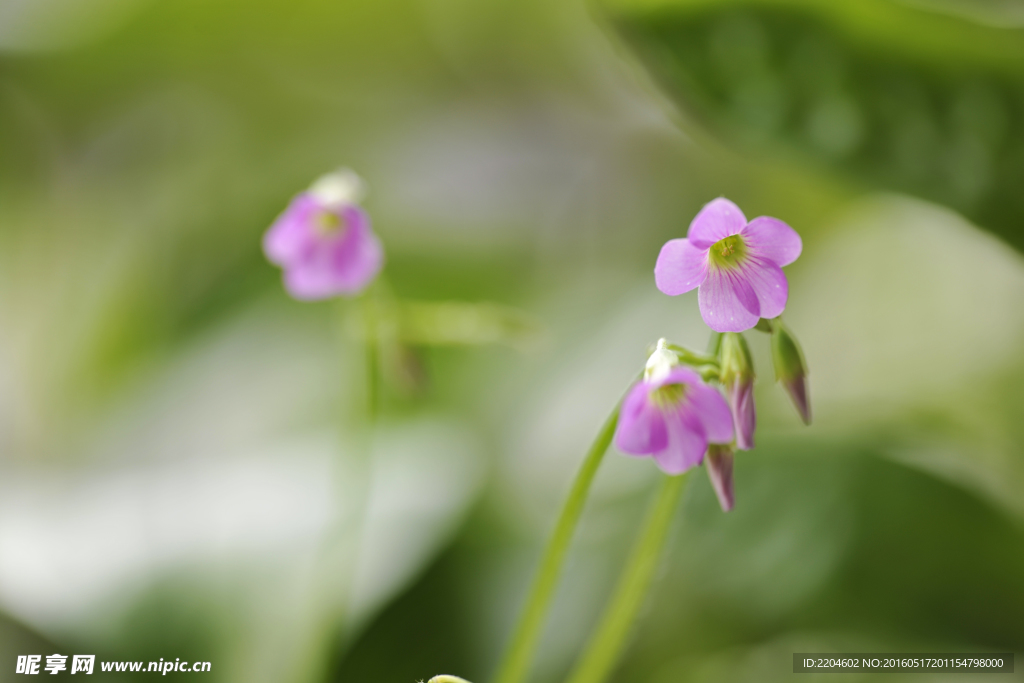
pixel 790 368
pixel 737 377
pixel 719 465
pixel 340 188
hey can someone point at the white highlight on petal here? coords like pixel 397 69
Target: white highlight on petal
pixel 339 188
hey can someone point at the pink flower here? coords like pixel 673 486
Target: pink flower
pixel 737 266
pixel 324 242
pixel 672 416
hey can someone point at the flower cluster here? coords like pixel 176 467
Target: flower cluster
pixel 673 413
pixel 687 409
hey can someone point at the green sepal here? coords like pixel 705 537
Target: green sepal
pixel 736 364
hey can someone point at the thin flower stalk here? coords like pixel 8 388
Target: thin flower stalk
pixel 606 645
pixel 517 659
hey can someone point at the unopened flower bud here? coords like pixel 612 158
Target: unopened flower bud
pixel 339 188
pixel 790 368
pixel 719 465
pixel 737 377
pixel 661 362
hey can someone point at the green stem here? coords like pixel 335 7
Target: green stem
pixel 714 344
pixel 517 658
pixel 607 642
pixel 370 337
pixel 691 357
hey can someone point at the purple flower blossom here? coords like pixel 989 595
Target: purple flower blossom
pixel 324 242
pixel 737 266
pixel 673 416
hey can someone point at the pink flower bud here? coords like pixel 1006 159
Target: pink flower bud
pixel 737 377
pixel 790 368
pixel 719 465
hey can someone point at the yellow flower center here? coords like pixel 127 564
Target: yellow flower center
pixel 727 253
pixel 668 395
pixel 327 224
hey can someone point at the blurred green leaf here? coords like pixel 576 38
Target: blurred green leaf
pixel 459 323
pixel 890 95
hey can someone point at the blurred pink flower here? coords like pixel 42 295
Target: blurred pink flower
pixel 736 265
pixel 323 241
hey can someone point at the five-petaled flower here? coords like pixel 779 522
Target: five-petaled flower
pixel 673 416
pixel 737 266
pixel 324 242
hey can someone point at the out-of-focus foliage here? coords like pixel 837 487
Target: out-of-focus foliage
pixel 898 96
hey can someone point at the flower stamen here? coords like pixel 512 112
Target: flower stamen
pixel 728 252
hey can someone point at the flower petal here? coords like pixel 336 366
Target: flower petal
pixel 290 237
pixel 727 301
pixel 686 442
pixel 309 280
pixel 360 256
pixel 680 267
pixel 772 239
pixel 641 428
pixel 744 415
pixel 713 412
pixel 769 284
pixel 678 375
pixel 719 219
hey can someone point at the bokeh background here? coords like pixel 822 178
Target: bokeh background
pixel 183 470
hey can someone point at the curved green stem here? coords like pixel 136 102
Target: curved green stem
pixel 691 357
pixel 606 644
pixel 517 658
